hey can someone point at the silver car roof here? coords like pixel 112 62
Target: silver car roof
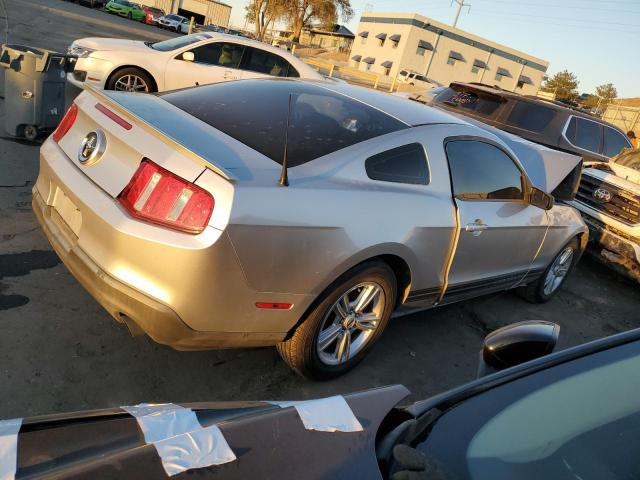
pixel 407 111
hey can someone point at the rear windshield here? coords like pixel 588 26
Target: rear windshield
pixel 179 42
pixel 254 112
pixel 480 104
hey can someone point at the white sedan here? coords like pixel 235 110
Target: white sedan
pixel 198 59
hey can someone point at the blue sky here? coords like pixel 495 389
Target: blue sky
pixel 598 40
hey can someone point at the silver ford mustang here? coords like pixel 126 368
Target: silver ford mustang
pixel 296 214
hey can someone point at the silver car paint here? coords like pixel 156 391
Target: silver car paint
pixel 269 243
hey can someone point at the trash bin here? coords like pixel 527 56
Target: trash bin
pixel 34 88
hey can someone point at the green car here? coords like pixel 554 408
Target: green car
pixel 124 8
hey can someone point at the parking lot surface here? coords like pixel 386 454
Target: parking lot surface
pixel 59 351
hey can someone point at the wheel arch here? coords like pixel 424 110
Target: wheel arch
pixel 138 67
pixel 398 264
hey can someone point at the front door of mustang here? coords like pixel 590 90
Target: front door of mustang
pixel 500 233
pixel 212 63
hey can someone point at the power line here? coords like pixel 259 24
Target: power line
pixel 461 4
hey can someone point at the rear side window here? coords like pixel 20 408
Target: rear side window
pixel 471 101
pixel 254 112
pixel 584 134
pixel 268 63
pixel 481 171
pixel 406 164
pixel 530 116
pixel 614 142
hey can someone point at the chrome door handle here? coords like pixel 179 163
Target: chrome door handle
pixel 476 228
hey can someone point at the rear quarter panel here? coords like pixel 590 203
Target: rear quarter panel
pixel 298 239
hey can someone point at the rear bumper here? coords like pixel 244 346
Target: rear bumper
pixel 126 304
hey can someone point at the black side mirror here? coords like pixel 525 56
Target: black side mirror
pixel 517 343
pixel 541 199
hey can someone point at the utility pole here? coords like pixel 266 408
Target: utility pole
pixel 460 5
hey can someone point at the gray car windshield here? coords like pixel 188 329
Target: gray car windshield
pixel 179 42
pixel 254 112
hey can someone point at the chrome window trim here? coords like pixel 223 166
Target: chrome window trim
pixel 566 127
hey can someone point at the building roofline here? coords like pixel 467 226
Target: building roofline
pixel 455 31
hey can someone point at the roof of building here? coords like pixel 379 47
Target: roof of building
pixel 455 33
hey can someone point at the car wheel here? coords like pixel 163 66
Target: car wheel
pixel 343 325
pixel 30 132
pixel 129 16
pixel 130 80
pixel 543 289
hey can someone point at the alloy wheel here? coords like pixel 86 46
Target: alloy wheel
pixel 131 83
pixel 558 271
pixel 350 323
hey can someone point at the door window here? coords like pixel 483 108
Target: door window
pixel 614 142
pixel 530 116
pixel 268 63
pixel 220 54
pixel 584 134
pixel 481 171
pixel 406 164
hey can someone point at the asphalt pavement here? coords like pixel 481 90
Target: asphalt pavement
pixel 59 351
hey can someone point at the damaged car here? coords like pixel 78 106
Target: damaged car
pixel 296 214
pixel 565 415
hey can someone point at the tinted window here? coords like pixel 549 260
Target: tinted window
pixel 179 42
pixel 482 105
pixel 530 116
pixel 406 164
pixel 267 63
pixel 220 54
pixel 584 134
pixel 577 420
pixel 254 112
pixel 482 171
pixel 614 142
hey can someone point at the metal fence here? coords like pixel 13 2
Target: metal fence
pixel 625 118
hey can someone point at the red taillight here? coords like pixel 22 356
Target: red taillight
pixel 66 123
pixel 158 196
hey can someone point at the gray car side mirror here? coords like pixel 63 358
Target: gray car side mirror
pixel 188 56
pixel 517 343
pixel 540 199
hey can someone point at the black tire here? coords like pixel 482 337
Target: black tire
pixel 299 350
pixel 30 132
pixel 129 16
pixel 111 83
pixel 535 292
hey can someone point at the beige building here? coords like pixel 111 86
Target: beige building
pixel 387 43
pixel 205 12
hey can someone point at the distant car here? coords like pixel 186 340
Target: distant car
pixel 414 78
pixel 124 8
pixel 569 415
pixel 152 15
pixel 94 3
pixel 177 23
pixel 196 59
pixel 171 210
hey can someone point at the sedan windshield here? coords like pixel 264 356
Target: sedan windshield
pixel 179 42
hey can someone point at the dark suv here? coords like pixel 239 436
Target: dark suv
pixel 548 123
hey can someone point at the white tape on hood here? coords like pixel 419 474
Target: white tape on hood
pixel 331 414
pixel 178 437
pixel 9 447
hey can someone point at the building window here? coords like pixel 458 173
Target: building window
pixel 474 69
pixel 386 70
pixel 420 51
pixel 451 61
pixel 394 44
pixel 499 77
pixel 520 84
pixel 363 40
pixel 367 66
pixel 381 42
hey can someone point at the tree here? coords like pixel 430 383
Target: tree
pixel 564 84
pixel 262 13
pixel 606 93
pixel 325 12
